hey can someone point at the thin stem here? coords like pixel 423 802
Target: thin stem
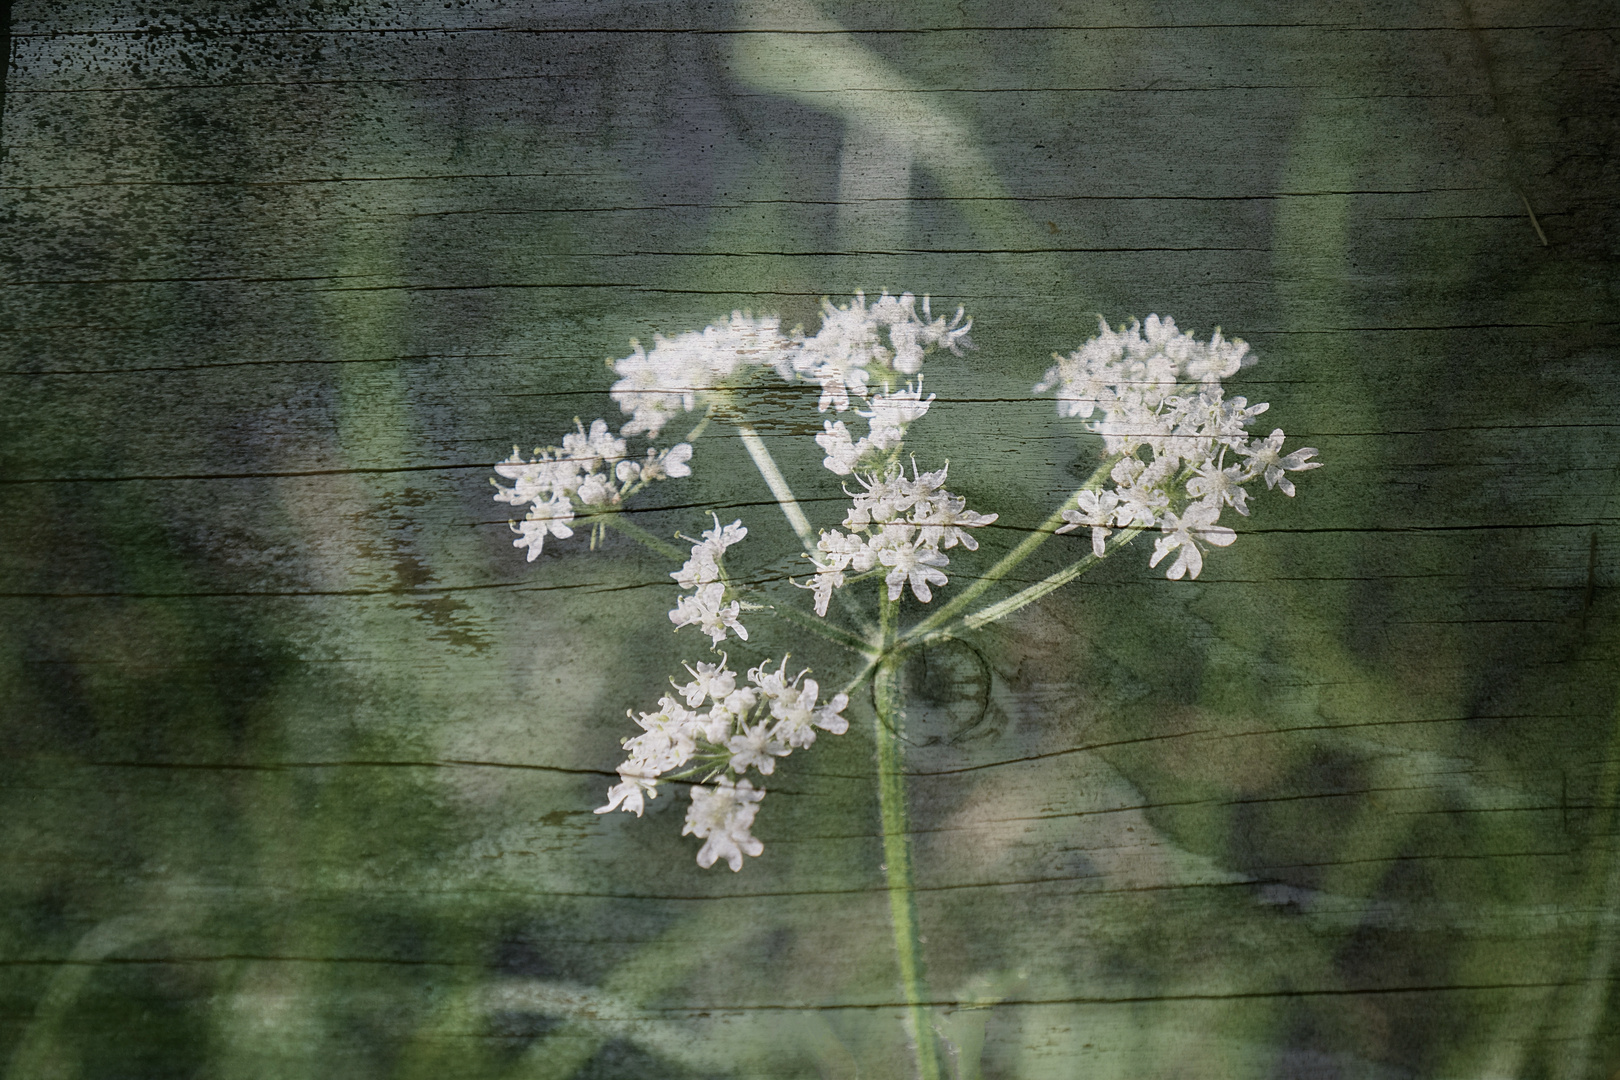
pixel 836 634
pixel 861 676
pixel 636 532
pixel 790 509
pixel 889 699
pixel 778 485
pixel 1000 610
pixel 1043 532
pixel 700 427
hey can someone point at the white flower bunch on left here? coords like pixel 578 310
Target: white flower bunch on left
pixel 712 725
pixel 589 471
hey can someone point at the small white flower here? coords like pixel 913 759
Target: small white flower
pixel 822 586
pixel 721 537
pixel 755 746
pixel 708 681
pixel 595 490
pixel 940 525
pixel 916 565
pixel 723 815
pixel 797 718
pixel 629 793
pixel 1096 509
pixel 1141 505
pixel 1219 487
pixel 533 480
pixel 883 500
pixel 775 684
pixel 707 610
pixel 1264 458
pixel 674 461
pixel 891 414
pixel 552 517
pixel 1184 534
pixel 842 452
pixel 591 450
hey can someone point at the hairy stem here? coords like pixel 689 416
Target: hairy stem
pixel 889 699
pixel 1043 532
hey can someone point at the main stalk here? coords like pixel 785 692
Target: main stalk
pixel 889 698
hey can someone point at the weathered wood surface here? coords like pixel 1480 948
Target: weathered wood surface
pixel 300 755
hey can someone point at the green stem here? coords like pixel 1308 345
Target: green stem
pixel 889 699
pixel 1052 582
pixel 636 532
pixel 778 485
pixel 791 510
pixel 836 634
pixel 1043 532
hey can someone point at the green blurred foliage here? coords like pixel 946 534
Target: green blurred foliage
pixel 300 756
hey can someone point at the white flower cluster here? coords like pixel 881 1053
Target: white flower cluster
pixel 1158 391
pixel 901 523
pixel 654 386
pixel 705 605
pixel 590 469
pixel 713 723
pixel 887 418
pixel 842 357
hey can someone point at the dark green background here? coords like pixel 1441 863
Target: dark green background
pixel 299 754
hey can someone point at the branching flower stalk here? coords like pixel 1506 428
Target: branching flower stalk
pixel 1177 453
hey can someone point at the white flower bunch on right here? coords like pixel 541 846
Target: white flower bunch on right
pixel 1164 416
pixel 714 725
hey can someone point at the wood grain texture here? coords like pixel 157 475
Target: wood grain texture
pixel 299 754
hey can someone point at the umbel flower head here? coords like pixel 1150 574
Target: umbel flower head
pixel 857 344
pixel 705 605
pixel 588 472
pixel 1178 454
pixel 713 725
pixel 899 522
pixel 1182 450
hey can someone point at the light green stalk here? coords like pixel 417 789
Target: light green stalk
pixel 629 528
pixel 1043 532
pixel 888 728
pixel 998 611
pixel 791 510
pixel 778 485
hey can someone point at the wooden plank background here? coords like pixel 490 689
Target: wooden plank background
pixel 299 754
